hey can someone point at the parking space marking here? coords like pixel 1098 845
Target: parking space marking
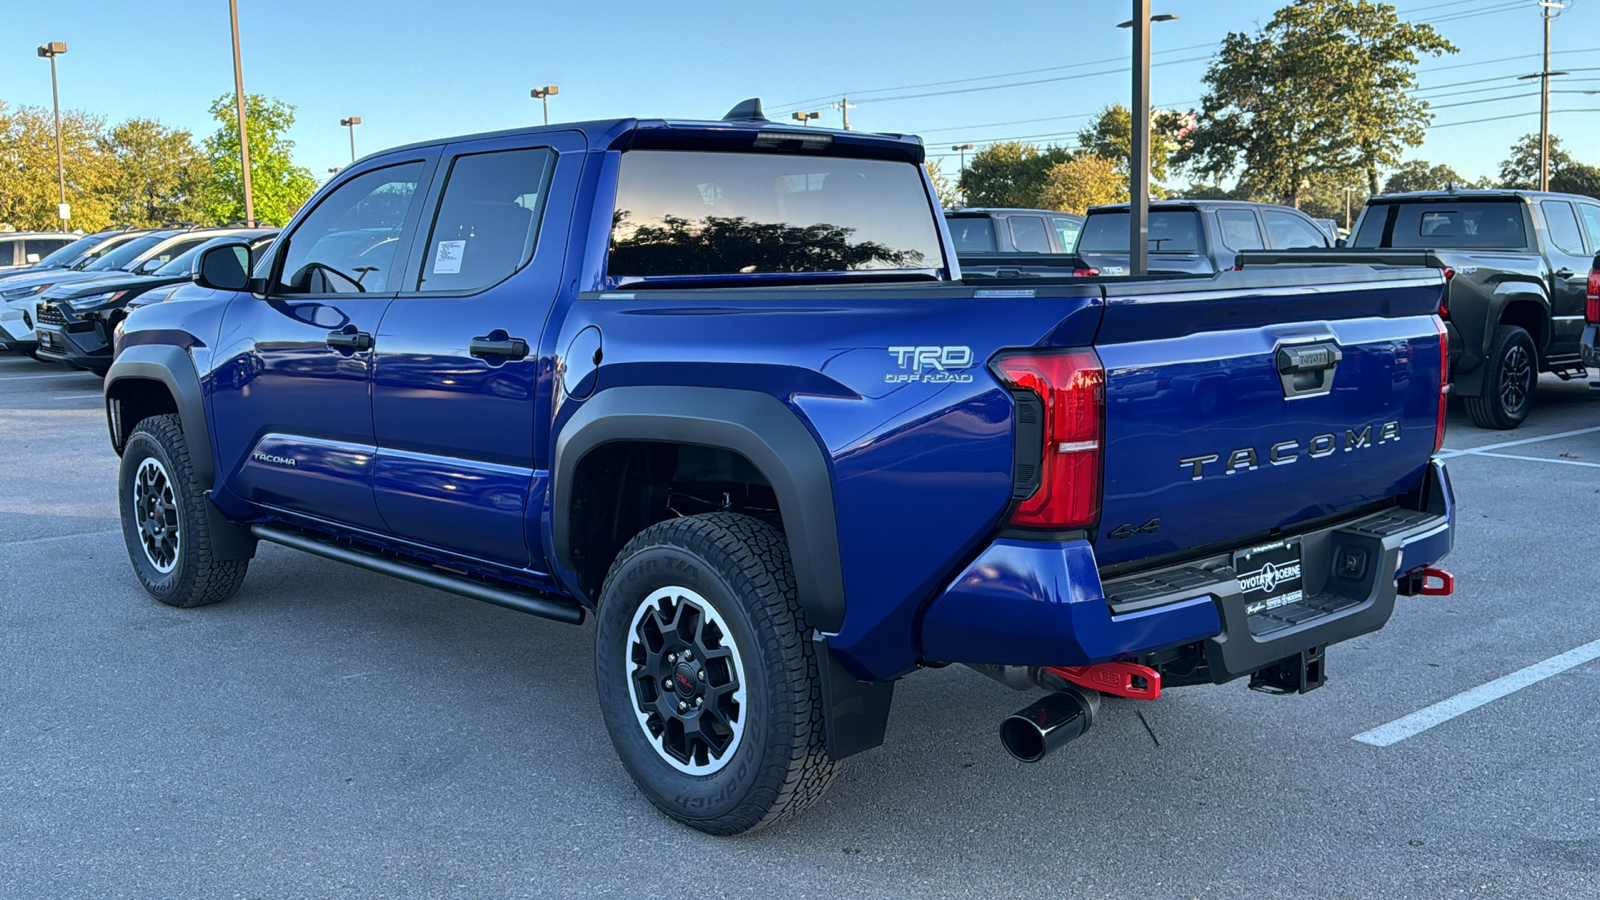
pixel 1564 462
pixel 1467 701
pixel 1447 453
pixel 59 537
pixel 9 377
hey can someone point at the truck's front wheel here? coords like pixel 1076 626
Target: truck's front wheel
pixel 1509 383
pixel 707 682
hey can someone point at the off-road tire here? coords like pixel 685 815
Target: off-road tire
pixel 196 577
pixel 740 566
pixel 1509 383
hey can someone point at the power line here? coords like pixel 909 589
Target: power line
pixel 1418 9
pixel 1522 115
pixel 1492 11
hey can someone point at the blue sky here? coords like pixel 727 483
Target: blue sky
pixel 415 70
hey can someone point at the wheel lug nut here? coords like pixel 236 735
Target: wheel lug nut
pixel 702 674
pixel 699 700
pixel 672 657
pixel 682 706
pixel 687 656
pixel 666 683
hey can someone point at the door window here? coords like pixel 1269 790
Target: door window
pixel 1289 231
pixel 1067 232
pixel 1563 226
pixel 1239 229
pixel 39 248
pixel 1028 234
pixel 972 234
pixel 488 220
pixel 347 245
pixel 1591 221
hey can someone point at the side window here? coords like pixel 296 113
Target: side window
pixel 1563 225
pixel 177 248
pixel 1591 221
pixel 1067 232
pixel 347 244
pixel 38 249
pixel 1239 229
pixel 1289 231
pixel 1028 234
pixel 8 253
pixel 488 219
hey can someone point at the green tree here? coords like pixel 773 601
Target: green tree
pixel 1323 87
pixel 1577 178
pixel 277 185
pixel 159 174
pixel 29 190
pixel 1009 174
pixel 1421 175
pixel 1081 182
pixel 1521 168
pixel 1110 135
pixel 949 197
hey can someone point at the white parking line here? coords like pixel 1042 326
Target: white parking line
pixel 59 537
pixel 1447 452
pixel 78 375
pixel 1564 462
pixel 1466 701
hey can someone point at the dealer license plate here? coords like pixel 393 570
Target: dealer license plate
pixel 1269 575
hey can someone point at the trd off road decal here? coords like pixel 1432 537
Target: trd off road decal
pixel 930 365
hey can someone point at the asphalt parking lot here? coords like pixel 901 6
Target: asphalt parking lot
pixel 335 733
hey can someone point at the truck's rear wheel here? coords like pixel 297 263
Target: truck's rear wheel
pixel 165 520
pixel 707 681
pixel 1509 383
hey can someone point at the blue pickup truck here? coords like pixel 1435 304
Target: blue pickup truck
pixel 721 385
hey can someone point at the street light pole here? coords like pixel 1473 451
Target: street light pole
pixel 1139 152
pixel 51 51
pixel 351 123
pixel 244 135
pixel 804 118
pixel 1347 192
pixel 544 94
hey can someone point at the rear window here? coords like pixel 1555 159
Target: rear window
pixel 1028 234
pixel 1171 231
pixel 700 213
pixel 1476 224
pixel 972 234
pixel 71 251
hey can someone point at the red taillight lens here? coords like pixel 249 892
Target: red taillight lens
pixel 1444 384
pixel 1082 272
pixel 1591 307
pixel 1070 387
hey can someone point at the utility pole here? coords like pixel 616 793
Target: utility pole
pixel 351 123
pixel 844 106
pixel 1549 9
pixel 244 135
pixel 1139 162
pixel 50 51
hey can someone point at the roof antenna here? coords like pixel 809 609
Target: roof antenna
pixel 1450 187
pixel 746 109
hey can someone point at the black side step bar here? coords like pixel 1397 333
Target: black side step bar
pixel 561 610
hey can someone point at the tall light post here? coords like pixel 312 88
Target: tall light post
pixel 50 51
pixel 1551 9
pixel 962 149
pixel 1139 155
pixel 543 95
pixel 1347 192
pixel 351 123
pixel 244 135
pixel 804 118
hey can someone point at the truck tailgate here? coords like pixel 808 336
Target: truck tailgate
pixel 1272 399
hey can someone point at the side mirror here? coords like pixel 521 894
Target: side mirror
pixel 223 267
pixel 1340 243
pixel 150 265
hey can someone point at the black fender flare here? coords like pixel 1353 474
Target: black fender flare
pixel 1470 382
pixel 173 368
pixel 754 425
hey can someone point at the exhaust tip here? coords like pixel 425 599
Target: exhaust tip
pixel 1031 733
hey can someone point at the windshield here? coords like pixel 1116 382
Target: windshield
pixel 1171 231
pixel 1474 224
pixel 700 213
pixel 125 254
pixel 182 263
pixel 70 252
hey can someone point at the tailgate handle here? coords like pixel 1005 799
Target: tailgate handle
pixel 1306 370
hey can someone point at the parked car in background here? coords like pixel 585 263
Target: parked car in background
pixel 74 323
pixel 615 367
pixel 22 249
pixel 1589 345
pixel 1518 265
pixel 1195 237
pixel 1009 243
pixel 260 240
pixel 20 288
pixel 78 253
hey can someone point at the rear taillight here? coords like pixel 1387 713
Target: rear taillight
pixel 1444 301
pixel 1591 307
pixel 1444 384
pixel 1060 435
pixel 1084 272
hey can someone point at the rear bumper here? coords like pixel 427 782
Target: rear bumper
pixel 1589 345
pixel 1043 603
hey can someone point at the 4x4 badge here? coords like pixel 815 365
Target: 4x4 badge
pixel 1124 532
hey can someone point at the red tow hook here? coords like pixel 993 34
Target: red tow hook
pixel 1437 583
pixel 1120 679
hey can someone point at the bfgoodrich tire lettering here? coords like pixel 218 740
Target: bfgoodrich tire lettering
pixel 1509 383
pixel 165 520
pixel 738 567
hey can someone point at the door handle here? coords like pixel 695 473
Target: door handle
pixel 505 348
pixel 349 340
pixel 1564 273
